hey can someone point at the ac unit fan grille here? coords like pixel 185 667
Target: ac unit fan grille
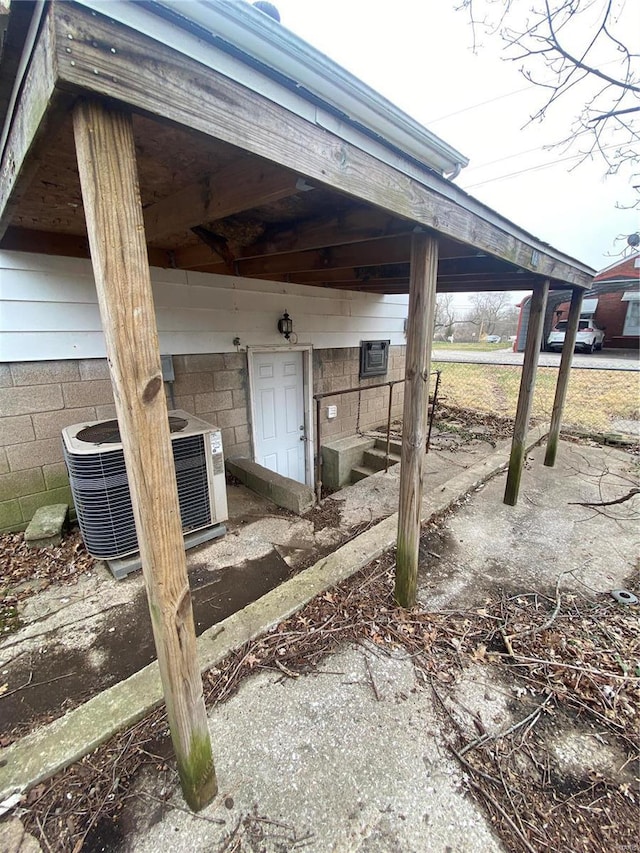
pixel 103 501
pixel 108 432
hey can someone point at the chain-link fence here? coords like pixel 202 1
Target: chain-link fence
pixel 598 401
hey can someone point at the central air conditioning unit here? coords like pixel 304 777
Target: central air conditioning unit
pixel 95 461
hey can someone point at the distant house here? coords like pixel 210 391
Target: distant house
pixel 613 303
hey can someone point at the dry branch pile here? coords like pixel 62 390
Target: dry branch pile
pixel 579 662
pixel 574 658
pixel 466 421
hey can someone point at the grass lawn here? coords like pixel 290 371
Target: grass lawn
pixel 595 398
pixel 478 346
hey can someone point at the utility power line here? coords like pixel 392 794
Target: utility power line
pixel 535 168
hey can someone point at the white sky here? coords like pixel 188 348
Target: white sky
pixel 418 54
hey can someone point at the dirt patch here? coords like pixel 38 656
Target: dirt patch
pixel 41 686
pixel 326 514
pixel 24 571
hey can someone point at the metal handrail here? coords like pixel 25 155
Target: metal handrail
pixel 359 388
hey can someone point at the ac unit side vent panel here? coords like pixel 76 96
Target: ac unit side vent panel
pixel 103 502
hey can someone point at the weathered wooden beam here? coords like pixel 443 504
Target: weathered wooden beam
pixel 67 245
pixel 241 186
pixel 353 225
pixel 46 242
pixel 488 282
pixel 385 250
pixel 422 298
pixel 200 98
pixel 527 388
pixel 562 383
pixel 33 116
pixel 344 274
pixel 375 285
pixel 108 177
pixel 198 257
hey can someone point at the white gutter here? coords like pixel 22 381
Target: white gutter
pixel 252 32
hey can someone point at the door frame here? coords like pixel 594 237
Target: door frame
pixel 307 396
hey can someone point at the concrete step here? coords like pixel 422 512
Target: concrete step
pixel 361 472
pixel 394 446
pixel 376 458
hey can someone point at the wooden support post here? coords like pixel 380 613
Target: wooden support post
pixel 422 299
pixel 527 386
pixel 563 377
pixel 113 211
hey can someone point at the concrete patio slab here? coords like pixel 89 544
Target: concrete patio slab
pixel 52 747
pixel 326 762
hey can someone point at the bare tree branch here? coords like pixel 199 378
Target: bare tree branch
pixel 588 47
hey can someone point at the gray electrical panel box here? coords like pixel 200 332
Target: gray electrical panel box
pixel 167 368
pixel 374 358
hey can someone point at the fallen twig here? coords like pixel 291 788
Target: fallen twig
pixel 30 683
pixel 621 500
pixel 534 715
pixel 371 679
pixel 581 669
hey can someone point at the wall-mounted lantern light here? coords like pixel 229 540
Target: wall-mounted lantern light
pixel 285 325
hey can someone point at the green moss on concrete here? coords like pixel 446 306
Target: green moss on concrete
pixel 9 619
pixel 10 515
pixel 15 484
pixel 55 476
pixel 31 503
pixel 197 773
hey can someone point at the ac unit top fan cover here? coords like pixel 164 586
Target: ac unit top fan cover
pixel 90 436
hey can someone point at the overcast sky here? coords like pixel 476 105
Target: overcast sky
pixel 418 54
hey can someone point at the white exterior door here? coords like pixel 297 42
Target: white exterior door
pixel 278 390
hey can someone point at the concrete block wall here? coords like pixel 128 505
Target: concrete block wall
pixel 337 369
pixel 38 399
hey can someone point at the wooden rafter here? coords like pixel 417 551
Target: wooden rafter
pixel 68 245
pixel 349 226
pixel 241 186
pixel 386 250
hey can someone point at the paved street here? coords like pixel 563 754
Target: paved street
pixel 606 360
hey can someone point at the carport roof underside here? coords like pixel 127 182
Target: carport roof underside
pixel 256 155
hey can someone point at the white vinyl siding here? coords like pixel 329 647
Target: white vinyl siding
pixel 49 310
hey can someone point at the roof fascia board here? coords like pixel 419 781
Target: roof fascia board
pixel 220 110
pixel 278 49
pixel 21 70
pixel 27 123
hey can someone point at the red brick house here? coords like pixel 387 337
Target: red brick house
pixel 618 311
pixel 613 303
